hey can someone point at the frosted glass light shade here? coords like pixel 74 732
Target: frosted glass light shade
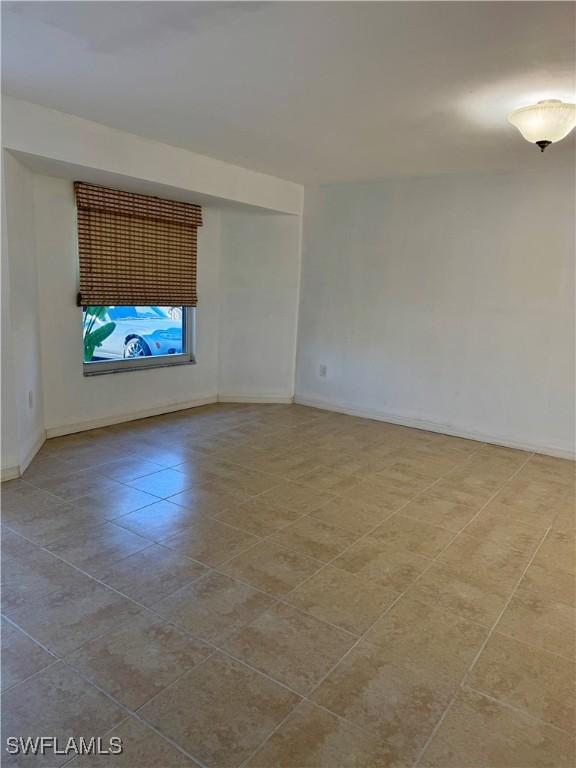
pixel 548 121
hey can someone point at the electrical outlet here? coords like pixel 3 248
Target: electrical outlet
pixel 30 399
pixel 323 371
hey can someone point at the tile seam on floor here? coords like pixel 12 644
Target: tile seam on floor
pixel 432 561
pixel 517 710
pixel 91 682
pixel 532 645
pixel 368 533
pixel 462 684
pixel 307 697
pixel 147 608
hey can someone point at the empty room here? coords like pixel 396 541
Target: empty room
pixel 313 506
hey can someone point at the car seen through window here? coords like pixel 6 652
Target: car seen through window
pixel 129 333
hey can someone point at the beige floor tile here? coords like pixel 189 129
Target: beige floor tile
pixel 239 482
pixel 32 575
pixel 327 479
pixel 538 511
pixel 125 470
pixel 382 500
pixel 471 596
pixel 451 515
pixel 496 560
pixel 543 581
pixel 25 498
pixel 211 542
pixel 314 538
pixel 159 521
pixel 380 497
pixel 543 622
pixel 167 482
pixel 505 530
pixel 420 636
pixel 257 518
pixel 141 748
pixel 314 738
pixel 526 677
pixel 558 549
pixel 139 658
pixel 220 712
pixel 290 646
pixel 43 528
pixel 399 704
pixel 152 573
pixel 404 474
pixel 95 550
pixel 74 485
pixel 481 732
pixel 289 465
pixel 297 498
pixel 56 702
pixel 213 607
pixel 272 568
pixel 356 515
pixel 460 492
pixel 21 656
pixel 203 502
pixel 412 536
pixel 14 545
pixel 110 504
pixel 340 598
pixel 383 563
pixel 45 466
pixel 65 619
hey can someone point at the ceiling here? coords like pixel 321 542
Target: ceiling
pixel 309 91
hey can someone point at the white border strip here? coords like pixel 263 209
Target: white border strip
pixel 232 398
pixel 432 426
pixel 83 426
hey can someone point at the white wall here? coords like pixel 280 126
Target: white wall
pixel 42 325
pixel 10 442
pixel 444 301
pixel 259 305
pixel 70 398
pixel 248 269
pixel 93 152
pixel 23 417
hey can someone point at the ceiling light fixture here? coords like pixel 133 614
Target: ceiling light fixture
pixel 544 123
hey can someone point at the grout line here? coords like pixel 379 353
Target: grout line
pixel 517 710
pixel 482 647
pixel 216 647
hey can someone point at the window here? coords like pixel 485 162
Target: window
pixel 120 338
pixel 134 247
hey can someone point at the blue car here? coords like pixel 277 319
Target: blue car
pixel 142 331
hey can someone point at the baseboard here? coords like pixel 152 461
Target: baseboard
pixel 432 426
pixel 9 473
pixel 224 397
pixel 12 473
pixel 32 451
pixel 83 426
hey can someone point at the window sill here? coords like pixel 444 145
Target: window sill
pixel 103 369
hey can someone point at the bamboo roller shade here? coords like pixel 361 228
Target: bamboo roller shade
pixel 135 249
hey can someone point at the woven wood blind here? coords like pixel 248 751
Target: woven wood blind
pixel 135 249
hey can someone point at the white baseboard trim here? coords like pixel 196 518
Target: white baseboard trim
pixel 9 473
pixel 224 397
pixel 12 473
pixel 28 458
pixel 432 426
pixel 83 426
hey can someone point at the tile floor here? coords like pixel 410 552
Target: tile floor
pixel 277 586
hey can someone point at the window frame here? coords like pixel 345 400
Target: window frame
pixel 103 367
